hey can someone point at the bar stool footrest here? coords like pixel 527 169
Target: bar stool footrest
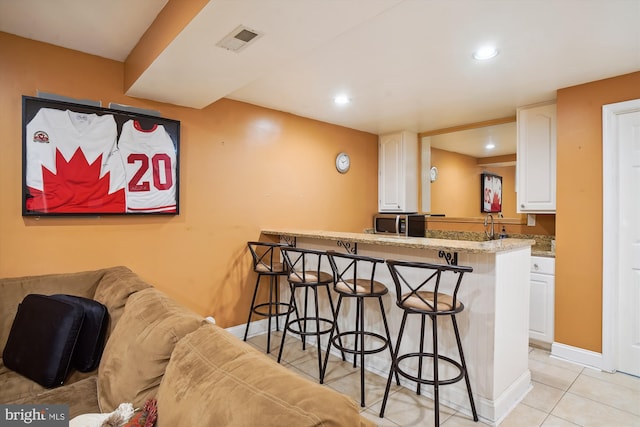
pixel 338 337
pixel 450 361
pixel 310 321
pixel 277 305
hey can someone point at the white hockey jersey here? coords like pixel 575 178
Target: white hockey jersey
pixel 150 164
pixel 72 164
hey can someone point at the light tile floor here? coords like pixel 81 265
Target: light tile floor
pixel 563 394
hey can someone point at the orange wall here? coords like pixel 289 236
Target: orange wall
pixel 456 192
pixel 578 314
pixel 242 168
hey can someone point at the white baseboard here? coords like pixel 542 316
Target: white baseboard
pixel 258 327
pixel 509 399
pixel 238 331
pixel 577 355
pixel 490 412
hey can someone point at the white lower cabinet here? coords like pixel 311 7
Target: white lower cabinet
pixel 542 297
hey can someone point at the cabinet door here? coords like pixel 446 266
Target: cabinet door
pixel 390 189
pixel 541 311
pixel 397 172
pixel 536 159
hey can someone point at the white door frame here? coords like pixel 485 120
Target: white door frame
pixel 610 240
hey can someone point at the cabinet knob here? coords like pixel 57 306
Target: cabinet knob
pixel 536 266
pixel 522 205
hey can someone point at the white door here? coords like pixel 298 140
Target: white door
pixel 629 295
pixel 621 242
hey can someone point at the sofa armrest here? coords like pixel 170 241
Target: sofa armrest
pixel 215 379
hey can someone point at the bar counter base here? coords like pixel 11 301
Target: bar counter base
pixel 494 324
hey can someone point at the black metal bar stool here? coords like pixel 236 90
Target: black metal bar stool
pixel 304 273
pixel 266 262
pixel 425 298
pixel 354 277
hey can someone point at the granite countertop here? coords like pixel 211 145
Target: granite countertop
pixel 542 253
pixel 543 245
pixel 449 245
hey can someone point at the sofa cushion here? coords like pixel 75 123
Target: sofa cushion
pixel 80 396
pixel 139 348
pixel 16 386
pixel 86 355
pixel 114 289
pixel 213 379
pixel 110 286
pixel 42 339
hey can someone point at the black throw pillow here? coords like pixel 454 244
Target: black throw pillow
pixel 42 339
pixel 88 351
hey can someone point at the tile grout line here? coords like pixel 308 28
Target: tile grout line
pixel 564 393
pixel 598 401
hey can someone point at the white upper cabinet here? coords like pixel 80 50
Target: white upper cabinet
pixel 398 172
pixel 536 159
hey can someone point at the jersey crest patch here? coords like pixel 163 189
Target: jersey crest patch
pixel 41 136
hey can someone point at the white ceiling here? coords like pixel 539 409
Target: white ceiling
pixel 406 64
pixel 110 29
pixel 474 141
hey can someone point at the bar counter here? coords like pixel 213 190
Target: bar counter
pixel 494 325
pixel 489 246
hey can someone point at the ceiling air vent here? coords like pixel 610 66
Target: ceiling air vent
pixel 239 38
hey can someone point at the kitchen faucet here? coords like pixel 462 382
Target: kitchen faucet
pixel 490 234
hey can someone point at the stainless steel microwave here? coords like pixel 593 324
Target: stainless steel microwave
pixel 413 225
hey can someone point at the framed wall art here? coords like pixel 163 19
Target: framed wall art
pixel 490 193
pixel 86 160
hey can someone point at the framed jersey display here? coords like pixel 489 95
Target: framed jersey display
pixel 491 193
pixel 84 160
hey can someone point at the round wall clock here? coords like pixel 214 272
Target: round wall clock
pixel 343 162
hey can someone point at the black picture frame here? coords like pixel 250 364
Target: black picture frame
pixel 83 160
pixel 490 193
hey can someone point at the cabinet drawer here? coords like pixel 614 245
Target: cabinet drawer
pixel 543 265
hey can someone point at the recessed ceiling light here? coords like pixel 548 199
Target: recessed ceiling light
pixel 342 99
pixel 486 52
pixel 490 146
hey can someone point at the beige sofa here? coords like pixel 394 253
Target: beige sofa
pixel 199 373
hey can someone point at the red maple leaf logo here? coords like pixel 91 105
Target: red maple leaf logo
pixel 76 188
